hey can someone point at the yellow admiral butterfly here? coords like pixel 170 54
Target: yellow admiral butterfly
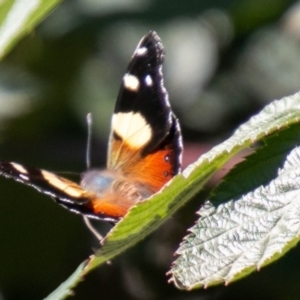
pixel 144 146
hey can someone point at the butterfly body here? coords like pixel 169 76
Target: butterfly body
pixel 113 192
pixel 144 149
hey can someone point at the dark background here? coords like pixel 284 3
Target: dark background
pixel 225 60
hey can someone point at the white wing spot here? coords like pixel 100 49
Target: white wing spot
pixel 131 82
pixel 132 128
pixel 148 80
pixel 141 51
pixel 24 177
pixel 19 168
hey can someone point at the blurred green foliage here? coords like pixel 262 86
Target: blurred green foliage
pixel 224 61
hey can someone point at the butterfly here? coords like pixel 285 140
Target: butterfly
pixel 144 150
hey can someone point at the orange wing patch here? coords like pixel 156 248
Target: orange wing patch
pixel 106 207
pixel 154 170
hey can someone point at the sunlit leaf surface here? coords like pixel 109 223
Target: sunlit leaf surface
pixel 251 229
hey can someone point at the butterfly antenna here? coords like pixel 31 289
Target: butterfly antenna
pixel 89 121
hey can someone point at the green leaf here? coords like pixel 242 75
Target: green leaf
pixel 258 168
pixel 19 17
pixel 251 230
pixel 150 214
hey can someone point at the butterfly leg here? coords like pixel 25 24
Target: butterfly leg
pixel 92 229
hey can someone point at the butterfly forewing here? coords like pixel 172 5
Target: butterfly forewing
pixel 46 182
pixel 145 140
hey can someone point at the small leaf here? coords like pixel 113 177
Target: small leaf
pixel 231 240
